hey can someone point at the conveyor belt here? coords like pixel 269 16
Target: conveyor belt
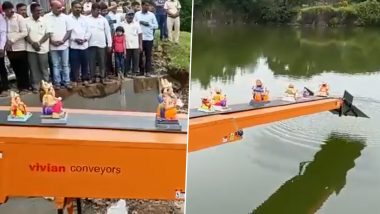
pixel 194 113
pixel 98 121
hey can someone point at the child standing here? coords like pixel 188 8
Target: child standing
pixel 119 49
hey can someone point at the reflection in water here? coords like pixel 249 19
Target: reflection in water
pixel 288 51
pixel 306 192
pixel 98 97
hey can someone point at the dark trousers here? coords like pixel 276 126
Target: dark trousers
pixel 119 62
pixel 97 55
pixel 4 84
pixel 79 65
pixel 146 68
pixel 19 63
pixel 161 20
pixel 132 60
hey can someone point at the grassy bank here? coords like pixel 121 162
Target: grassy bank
pixel 366 13
pixel 178 55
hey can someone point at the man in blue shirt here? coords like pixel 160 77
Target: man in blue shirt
pixel 148 23
pixel 161 19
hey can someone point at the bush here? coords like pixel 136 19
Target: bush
pixel 276 13
pixel 186 15
pixel 368 12
pixel 347 15
pixel 316 14
pixel 328 15
pixel 341 4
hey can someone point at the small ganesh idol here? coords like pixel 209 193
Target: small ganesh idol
pixel 166 115
pixel 218 98
pixel 18 111
pixel 167 108
pixel 259 92
pixel 52 107
pixel 206 105
pixel 291 91
pixel 324 90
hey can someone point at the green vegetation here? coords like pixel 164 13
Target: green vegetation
pixel 179 54
pixel 369 12
pixel 304 12
pixel 329 15
pixel 186 15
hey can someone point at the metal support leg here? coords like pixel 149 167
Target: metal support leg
pixel 79 206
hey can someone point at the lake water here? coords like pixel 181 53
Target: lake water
pixel 114 96
pixel 313 164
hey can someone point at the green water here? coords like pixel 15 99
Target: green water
pixel 313 164
pixel 98 97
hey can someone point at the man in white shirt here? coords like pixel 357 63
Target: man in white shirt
pixel 99 43
pixel 79 44
pixel 4 84
pixel 133 41
pixel 16 46
pixel 59 45
pixel 148 23
pixel 173 8
pixel 116 18
pixel 38 47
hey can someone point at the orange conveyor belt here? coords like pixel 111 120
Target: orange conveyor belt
pixel 139 164
pixel 209 131
pixel 96 163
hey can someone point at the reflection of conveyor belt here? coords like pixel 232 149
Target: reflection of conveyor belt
pixel 194 113
pixel 317 179
pixel 98 121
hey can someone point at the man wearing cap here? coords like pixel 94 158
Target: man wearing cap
pixel 133 35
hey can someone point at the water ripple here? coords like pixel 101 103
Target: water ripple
pixel 311 131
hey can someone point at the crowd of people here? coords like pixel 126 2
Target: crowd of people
pixel 90 42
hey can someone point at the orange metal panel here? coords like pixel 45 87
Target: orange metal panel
pixel 75 163
pixel 2 186
pixel 209 131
